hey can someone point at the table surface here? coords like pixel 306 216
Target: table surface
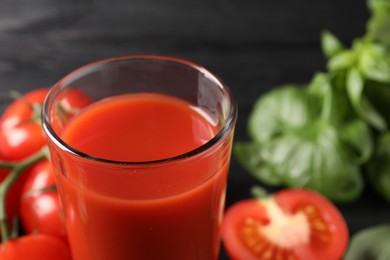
pixel 252 45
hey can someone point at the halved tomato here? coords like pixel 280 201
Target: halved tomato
pixel 294 224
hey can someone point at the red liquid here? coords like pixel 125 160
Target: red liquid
pixel 167 211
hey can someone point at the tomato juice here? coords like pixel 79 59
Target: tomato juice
pixel 151 207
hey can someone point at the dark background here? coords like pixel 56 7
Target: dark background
pixel 253 45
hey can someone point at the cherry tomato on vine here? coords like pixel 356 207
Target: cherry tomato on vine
pixel 293 224
pixel 40 207
pixel 21 141
pixel 21 110
pixel 21 133
pixel 37 246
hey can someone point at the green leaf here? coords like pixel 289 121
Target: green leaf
pixel 362 106
pixel 342 60
pixel 378 93
pixel 358 134
pixel 355 85
pixel 249 156
pixel 373 117
pixel 335 104
pixel 330 44
pixel 281 109
pixel 315 157
pixel 378 168
pixel 379 7
pixel 378 26
pixel 321 87
pixel 374 62
pixel 371 243
pixel 295 145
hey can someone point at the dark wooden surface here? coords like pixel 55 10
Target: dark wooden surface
pixel 253 45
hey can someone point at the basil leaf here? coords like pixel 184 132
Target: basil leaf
pixel 378 94
pixel 378 169
pixel 355 85
pixel 321 87
pixel 330 90
pixel 370 243
pixel 315 157
pixel 379 7
pixel 358 134
pixel 374 62
pixel 362 106
pixel 342 60
pixel 295 145
pixel 249 156
pixel 379 24
pixel 373 117
pixel 281 109
pixel 330 44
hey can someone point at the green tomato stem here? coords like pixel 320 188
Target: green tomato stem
pixel 17 169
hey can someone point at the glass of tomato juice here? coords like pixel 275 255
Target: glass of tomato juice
pixel 142 170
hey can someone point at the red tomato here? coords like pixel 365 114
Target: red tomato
pixel 39 247
pixel 21 134
pixel 40 210
pixel 20 131
pixel 21 141
pixel 20 110
pixel 292 224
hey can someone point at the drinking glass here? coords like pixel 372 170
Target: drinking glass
pixel 162 208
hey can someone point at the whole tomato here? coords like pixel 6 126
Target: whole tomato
pixel 21 134
pixel 40 207
pixel 20 131
pixel 37 246
pixel 21 110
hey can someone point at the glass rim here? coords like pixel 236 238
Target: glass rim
pixel 226 128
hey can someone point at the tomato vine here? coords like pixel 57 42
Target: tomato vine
pixel 17 169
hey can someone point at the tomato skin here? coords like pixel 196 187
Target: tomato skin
pixel 328 237
pixel 231 224
pixel 40 210
pixel 21 134
pixel 39 247
pixel 20 111
pixel 21 141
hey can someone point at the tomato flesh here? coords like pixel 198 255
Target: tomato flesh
pixel 294 224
